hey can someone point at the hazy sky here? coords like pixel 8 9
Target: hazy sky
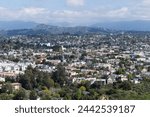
pixel 74 11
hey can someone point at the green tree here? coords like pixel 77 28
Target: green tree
pixel 148 69
pixel 7 88
pixel 48 82
pixel 126 85
pixel 130 76
pixel 59 75
pixel 45 95
pixel 82 88
pixel 33 95
pixel 5 96
pixel 120 71
pixel 25 82
pixel 78 94
pixel 20 95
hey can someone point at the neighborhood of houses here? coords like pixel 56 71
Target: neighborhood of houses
pixel 104 59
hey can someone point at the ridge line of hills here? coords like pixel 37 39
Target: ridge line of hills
pixel 31 28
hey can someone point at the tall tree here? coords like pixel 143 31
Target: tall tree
pixel 59 75
pixel 33 95
pixel 20 95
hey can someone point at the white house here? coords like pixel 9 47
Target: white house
pixel 2 79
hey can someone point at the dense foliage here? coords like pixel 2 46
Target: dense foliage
pixel 42 85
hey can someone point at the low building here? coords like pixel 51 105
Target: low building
pixel 2 79
pixel 16 86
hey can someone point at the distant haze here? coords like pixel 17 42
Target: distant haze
pixel 126 25
pixel 10 25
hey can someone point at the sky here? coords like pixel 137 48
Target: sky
pixel 74 11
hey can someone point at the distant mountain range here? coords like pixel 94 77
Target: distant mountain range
pixel 118 25
pixel 48 29
pixel 126 25
pixel 31 28
pixel 13 25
